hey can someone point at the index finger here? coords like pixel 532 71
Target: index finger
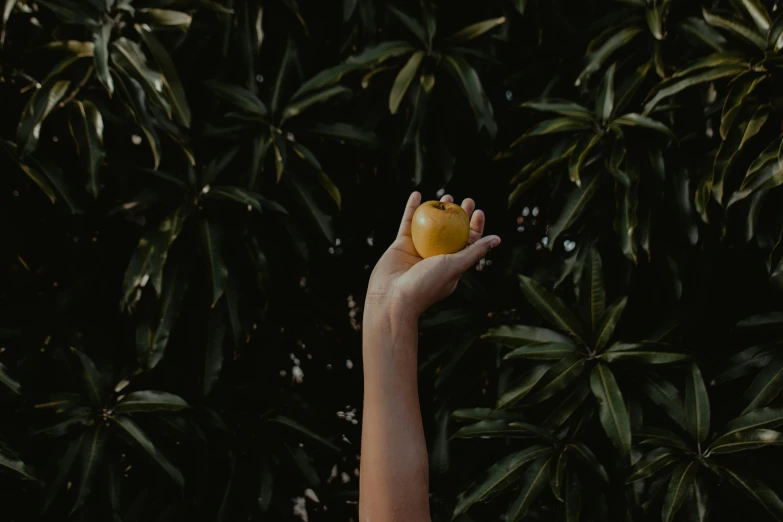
pixel 413 203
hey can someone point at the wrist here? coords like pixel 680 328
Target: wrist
pixel 385 311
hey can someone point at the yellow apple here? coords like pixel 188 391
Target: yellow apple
pixel 439 228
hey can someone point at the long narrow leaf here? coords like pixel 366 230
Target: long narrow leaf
pixel 534 482
pixel 150 400
pixel 614 416
pixel 551 308
pixel 697 405
pixel 679 488
pixel 498 477
pixel 138 437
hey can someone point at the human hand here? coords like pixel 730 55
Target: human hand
pixel 405 284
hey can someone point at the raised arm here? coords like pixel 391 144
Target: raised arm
pixel 394 479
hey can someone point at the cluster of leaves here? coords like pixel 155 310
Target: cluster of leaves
pixel 172 176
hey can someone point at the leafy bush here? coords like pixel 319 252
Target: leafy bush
pixel 195 191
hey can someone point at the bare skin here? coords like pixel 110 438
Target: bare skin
pixel 394 483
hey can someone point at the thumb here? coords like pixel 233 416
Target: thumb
pixel 471 255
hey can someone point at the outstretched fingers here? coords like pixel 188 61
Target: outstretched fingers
pixel 470 256
pixel 476 226
pixel 468 205
pixel 407 217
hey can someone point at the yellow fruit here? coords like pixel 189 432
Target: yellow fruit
pixel 439 228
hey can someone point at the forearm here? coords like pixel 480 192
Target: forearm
pixel 394 484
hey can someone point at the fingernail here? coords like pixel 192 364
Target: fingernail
pixel 495 242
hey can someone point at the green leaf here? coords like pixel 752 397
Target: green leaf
pixel 745 362
pixel 213 351
pixel 245 197
pixel 93 381
pixel 212 239
pixel 344 132
pixel 596 59
pixel 138 437
pixel 661 437
pixel 566 408
pixel 557 474
pixel 86 126
pixel 281 156
pixel 555 126
pixel 650 464
pixel 675 85
pixel 172 85
pixel 533 484
pixel 152 340
pixel 164 18
pixel 266 489
pixel 134 97
pixel 11 463
pixel 522 387
pixel 758 13
pixel 470 83
pixel 608 323
pixel 758 491
pixel 766 386
pixel 764 173
pixel 303 464
pixel 761 321
pixel 635 353
pixel 597 290
pixel 542 351
pixel 41 104
pixel 149 400
pixel 370 57
pixel 637 120
pixel 241 98
pixel 403 80
pixel 498 477
pixel 561 107
pixel 735 27
pixel 324 180
pixel 287 62
pixel 537 174
pixel 604 102
pixel 8 381
pixel 293 427
pixel 100 38
pixel 129 57
pixel 90 457
pixel 580 156
pixel 730 148
pixel 745 440
pixel 322 219
pixel 589 459
pixel 475 30
pixel 476 414
pixel 626 217
pixel 413 25
pixel 573 207
pixel 551 308
pixel 573 498
pixel 697 405
pixel 611 408
pixel 679 488
pixel 301 104
pixel 64 465
pixel 699 29
pixel 566 371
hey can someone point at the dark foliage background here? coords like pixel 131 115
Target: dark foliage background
pixel 193 194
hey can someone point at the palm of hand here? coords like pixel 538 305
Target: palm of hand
pixel 406 280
